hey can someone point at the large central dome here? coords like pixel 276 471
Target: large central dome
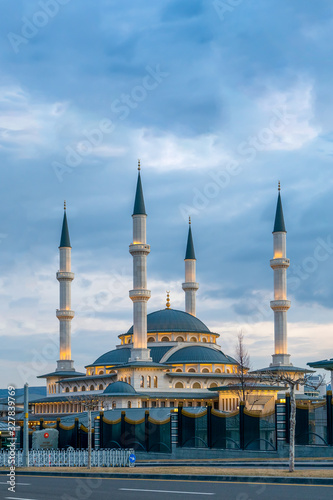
pixel 171 320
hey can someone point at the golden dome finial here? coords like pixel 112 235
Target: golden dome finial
pixel 139 165
pixel 168 300
pixel 189 220
pixel 64 204
pixel 279 186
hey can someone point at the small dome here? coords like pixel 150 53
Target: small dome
pixel 199 354
pixel 172 320
pixel 119 389
pixel 116 356
pixel 121 356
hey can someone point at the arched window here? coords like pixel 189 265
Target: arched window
pixel 165 339
pixel 100 372
pixel 205 370
pixel 193 339
pixel 218 370
pixel 74 388
pixel 92 388
pixel 192 370
pixel 148 381
pixel 125 380
pixel 204 339
pixel 196 385
pixel 129 380
pixel 155 382
pixel 114 405
pixel 179 385
pixel 100 387
pixel 129 404
pixel 67 389
pixel 142 382
pixel 151 339
pixel 83 388
pixel 179 370
pixel 129 341
pixel 179 339
pixel 213 384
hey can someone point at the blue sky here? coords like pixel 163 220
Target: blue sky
pixel 220 100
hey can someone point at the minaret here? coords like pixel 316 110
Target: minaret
pixel 190 286
pixel 64 313
pixel 280 304
pixel 140 294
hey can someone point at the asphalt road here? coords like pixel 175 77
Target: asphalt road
pixel 59 488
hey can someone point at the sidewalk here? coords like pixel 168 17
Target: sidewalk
pixel 193 473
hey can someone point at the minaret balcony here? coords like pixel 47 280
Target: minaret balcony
pixel 280 305
pixel 139 295
pixel 139 249
pixel 190 285
pixel 65 314
pixel 282 263
pixel 65 276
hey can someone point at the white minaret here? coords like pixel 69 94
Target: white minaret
pixel 140 294
pixel 190 286
pixel 280 304
pixel 64 313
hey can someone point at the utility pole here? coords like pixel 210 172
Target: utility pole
pixel 89 437
pixel 26 427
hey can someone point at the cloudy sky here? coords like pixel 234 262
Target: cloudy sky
pixel 220 100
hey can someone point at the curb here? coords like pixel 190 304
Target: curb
pixel 183 477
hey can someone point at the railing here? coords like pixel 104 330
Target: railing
pixel 71 458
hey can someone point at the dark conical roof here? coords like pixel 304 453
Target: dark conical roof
pixel 279 226
pixel 190 247
pixel 65 241
pixel 139 204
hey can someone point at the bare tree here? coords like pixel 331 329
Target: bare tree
pixel 243 359
pixel 293 380
pixel 246 383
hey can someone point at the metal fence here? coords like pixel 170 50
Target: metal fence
pixel 71 458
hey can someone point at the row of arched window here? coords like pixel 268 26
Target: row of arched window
pixel 149 382
pixel 125 379
pixel 204 370
pixel 178 339
pixel 84 388
pixel 195 385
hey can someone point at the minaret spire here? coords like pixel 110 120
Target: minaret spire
pixel 280 304
pixel 190 286
pixel 64 313
pixel 140 294
pixel 139 203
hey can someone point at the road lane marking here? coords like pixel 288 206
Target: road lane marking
pixel 20 484
pixel 167 491
pixel 18 498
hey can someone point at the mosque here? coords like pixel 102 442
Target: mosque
pixel 168 357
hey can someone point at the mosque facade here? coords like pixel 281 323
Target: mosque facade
pixel 168 357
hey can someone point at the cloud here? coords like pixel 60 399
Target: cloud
pixel 296 106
